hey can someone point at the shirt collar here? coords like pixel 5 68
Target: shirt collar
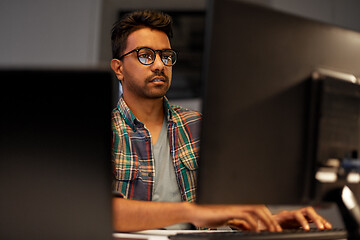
pixel 168 109
pixel 130 118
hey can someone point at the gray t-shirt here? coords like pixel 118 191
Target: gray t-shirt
pixel 166 188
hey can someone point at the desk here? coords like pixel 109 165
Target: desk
pixel 148 235
pixel 153 234
pixel 134 236
pixel 156 235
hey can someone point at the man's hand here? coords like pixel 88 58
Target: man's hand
pixel 132 215
pixel 256 218
pixel 301 218
pixel 246 217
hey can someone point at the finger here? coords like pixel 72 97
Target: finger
pixel 267 219
pixel 273 220
pixel 319 221
pixel 327 225
pixel 251 221
pixel 239 224
pixel 301 220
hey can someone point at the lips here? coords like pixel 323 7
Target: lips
pixel 158 79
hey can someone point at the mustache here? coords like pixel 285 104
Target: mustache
pixel 157 74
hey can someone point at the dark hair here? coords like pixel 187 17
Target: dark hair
pixel 135 21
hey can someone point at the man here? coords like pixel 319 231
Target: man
pixel 156 144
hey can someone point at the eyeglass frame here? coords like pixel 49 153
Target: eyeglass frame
pixel 154 51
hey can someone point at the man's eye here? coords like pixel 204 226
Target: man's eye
pixel 148 56
pixel 167 59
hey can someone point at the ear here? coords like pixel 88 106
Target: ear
pixel 117 67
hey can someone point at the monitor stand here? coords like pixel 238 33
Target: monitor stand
pixel 349 208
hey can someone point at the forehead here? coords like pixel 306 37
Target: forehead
pixel 147 37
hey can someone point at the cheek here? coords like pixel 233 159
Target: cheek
pixel 169 72
pixel 134 77
pixel 133 72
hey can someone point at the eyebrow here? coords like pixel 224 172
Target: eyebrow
pixel 153 49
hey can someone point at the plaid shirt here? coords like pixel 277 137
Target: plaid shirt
pixel 133 160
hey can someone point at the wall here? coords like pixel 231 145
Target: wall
pixel 49 33
pixel 76 32
pixel 112 7
pixel 343 13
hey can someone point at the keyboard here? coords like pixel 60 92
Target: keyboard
pixel 329 234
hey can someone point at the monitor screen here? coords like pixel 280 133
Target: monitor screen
pixel 55 154
pixel 255 132
pixel 333 135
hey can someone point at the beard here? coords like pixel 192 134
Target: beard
pixel 149 90
pixel 160 90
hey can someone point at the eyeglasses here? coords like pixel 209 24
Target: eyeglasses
pixel 147 56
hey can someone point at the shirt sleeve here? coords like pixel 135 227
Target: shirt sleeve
pixel 118 194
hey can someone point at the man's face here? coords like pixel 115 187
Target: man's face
pixel 145 81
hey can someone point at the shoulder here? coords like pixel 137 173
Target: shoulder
pixel 119 125
pixel 184 114
pixel 116 116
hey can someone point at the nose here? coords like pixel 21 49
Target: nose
pixel 157 65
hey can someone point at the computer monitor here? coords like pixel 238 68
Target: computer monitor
pixel 255 132
pixel 55 154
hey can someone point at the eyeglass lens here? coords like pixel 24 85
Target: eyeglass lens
pixel 147 56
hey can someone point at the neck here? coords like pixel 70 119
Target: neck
pixel 148 111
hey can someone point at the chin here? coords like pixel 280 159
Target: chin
pixel 157 94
